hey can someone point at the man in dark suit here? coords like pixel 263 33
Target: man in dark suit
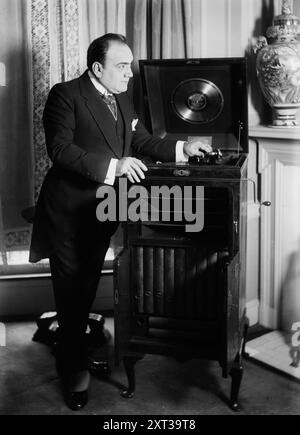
pixel 91 133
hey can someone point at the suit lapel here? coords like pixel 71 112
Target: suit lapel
pixel 100 112
pixel 122 100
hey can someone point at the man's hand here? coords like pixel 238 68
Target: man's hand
pixel 196 148
pixel 131 167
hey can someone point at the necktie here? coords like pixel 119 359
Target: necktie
pixel 110 100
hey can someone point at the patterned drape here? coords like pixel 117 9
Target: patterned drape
pixel 55 58
pixel 61 33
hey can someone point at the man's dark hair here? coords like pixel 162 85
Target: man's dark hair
pixel 99 47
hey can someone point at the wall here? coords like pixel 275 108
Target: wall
pixel 33 296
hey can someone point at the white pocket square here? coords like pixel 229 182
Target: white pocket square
pixel 133 124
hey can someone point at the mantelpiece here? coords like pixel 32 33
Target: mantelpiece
pixel 260 131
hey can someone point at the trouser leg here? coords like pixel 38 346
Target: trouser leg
pixel 76 269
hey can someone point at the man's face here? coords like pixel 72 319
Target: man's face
pixel 114 75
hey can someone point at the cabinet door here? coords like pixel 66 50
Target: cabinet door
pixel 122 304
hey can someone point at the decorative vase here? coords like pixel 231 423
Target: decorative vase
pixel 278 67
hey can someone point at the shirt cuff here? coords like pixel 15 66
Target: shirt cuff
pixel 180 157
pixel 111 172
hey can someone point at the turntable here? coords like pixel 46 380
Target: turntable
pixel 183 293
pixel 197 97
pixel 215 157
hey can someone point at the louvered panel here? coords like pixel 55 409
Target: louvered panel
pixel 180 278
pixel 137 282
pixel 177 282
pixel 169 288
pixel 148 279
pixel 158 280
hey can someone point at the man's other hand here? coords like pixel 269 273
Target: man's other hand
pixel 196 148
pixel 131 167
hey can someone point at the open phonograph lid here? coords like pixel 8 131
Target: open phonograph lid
pixel 197 97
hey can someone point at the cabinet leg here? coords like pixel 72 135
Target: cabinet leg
pixel 244 353
pixel 236 373
pixel 129 365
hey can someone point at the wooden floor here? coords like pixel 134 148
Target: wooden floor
pixel 29 384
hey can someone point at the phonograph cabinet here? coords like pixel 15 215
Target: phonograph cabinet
pixel 179 292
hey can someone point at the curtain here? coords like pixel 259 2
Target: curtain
pixel 61 33
pixel 98 17
pixel 166 29
pixel 16 145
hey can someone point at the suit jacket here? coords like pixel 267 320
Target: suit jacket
pixel 81 140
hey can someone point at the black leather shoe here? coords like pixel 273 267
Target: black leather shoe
pixel 76 400
pixel 98 368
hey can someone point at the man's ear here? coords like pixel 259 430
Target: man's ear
pixel 97 69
